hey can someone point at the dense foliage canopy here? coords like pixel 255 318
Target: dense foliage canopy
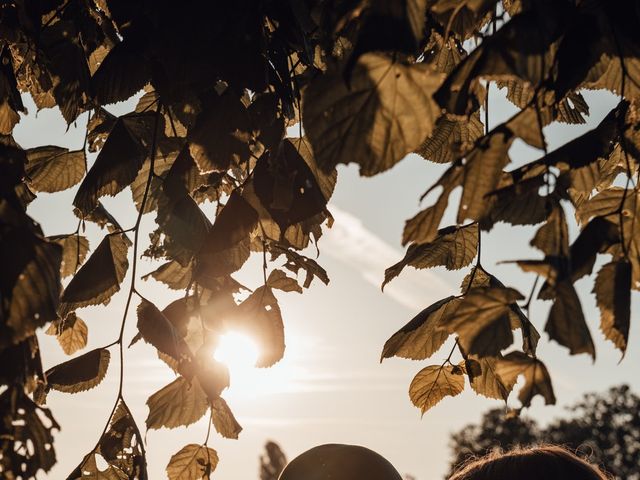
pixel 369 81
pixel 602 427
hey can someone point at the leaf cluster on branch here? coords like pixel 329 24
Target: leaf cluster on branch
pixel 206 153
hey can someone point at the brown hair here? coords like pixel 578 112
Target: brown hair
pixel 547 462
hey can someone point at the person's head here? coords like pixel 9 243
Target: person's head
pixel 534 463
pixel 340 462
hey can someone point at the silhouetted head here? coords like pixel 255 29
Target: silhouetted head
pixel 535 463
pixel 340 462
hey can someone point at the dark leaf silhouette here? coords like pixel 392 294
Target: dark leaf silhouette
pixel 101 275
pixel 118 162
pixel 26 424
pixel 120 447
pixel 613 296
pixel 566 323
pixel 156 329
pixel 80 373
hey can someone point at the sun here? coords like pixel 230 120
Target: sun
pixel 238 352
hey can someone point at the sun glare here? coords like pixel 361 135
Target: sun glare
pixel 240 354
pixel 237 351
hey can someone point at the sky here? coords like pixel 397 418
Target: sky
pixel 330 387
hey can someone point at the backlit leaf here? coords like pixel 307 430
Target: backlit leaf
pixel 192 462
pixel 536 377
pixel 453 248
pixel 74 251
pixel 481 320
pixel 260 316
pixel 178 404
pixel 382 115
pixel 451 137
pixel 423 227
pixel 72 333
pixel 278 279
pixel 53 169
pixel 223 420
pixel 485 380
pixel 434 383
pixel 173 275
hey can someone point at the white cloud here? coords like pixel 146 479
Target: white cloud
pixel 352 243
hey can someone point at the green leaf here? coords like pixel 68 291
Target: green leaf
pixel 453 248
pixel 481 320
pixel 613 296
pixel 192 462
pixel 80 373
pixel 382 115
pixel 74 251
pixel 433 383
pixel 54 169
pixel 536 377
pixel 422 336
pixel 278 279
pixel 72 333
pixel 180 403
pixel 260 315
pixel 223 420
pixel 101 275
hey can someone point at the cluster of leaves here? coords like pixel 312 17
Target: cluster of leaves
pixel 205 152
pixel 544 54
pixel 370 81
pixel 604 427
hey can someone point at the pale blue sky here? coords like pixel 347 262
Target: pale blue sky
pixel 330 387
